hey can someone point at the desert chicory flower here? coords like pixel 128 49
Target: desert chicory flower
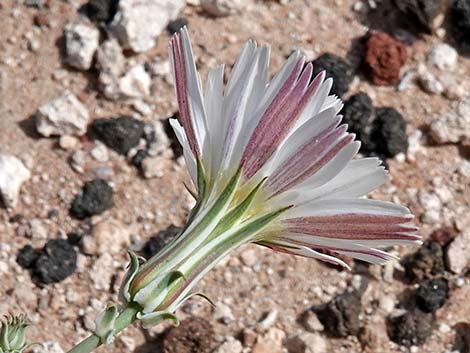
pixel 272 165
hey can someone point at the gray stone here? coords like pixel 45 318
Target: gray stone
pixel 138 22
pixel 110 62
pixel 428 81
pixel 458 253
pixel 13 174
pixel 443 56
pixel 220 8
pixel 453 126
pixel 64 115
pixel 135 83
pixel 223 313
pixel 102 272
pixel 81 43
pixel 109 58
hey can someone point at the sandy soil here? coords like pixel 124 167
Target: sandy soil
pixel 289 285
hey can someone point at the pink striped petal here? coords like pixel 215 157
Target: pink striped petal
pixel 182 93
pixel 309 158
pixel 279 119
pixel 357 227
pixel 356 251
pixel 308 252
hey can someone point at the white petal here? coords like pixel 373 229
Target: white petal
pixel 302 135
pixel 213 101
pixel 346 206
pixel 316 103
pixel 194 90
pixel 332 180
pixel 187 153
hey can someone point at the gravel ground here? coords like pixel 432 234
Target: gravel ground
pixel 267 302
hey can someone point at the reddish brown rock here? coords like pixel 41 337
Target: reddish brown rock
pixel 384 58
pixel 444 235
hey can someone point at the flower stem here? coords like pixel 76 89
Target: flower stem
pixel 125 318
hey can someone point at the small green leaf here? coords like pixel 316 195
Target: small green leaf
pixel 152 319
pixel 105 324
pixel 133 267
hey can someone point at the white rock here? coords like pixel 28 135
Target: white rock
pixel 48 347
pixel 223 313
pixel 64 115
pixel 430 201
pixel 4 268
pixel 444 328
pixel 78 161
pixel 268 321
pixel 454 126
pixel 443 56
pixel 141 107
pixel 102 272
pixel 38 231
pixel 458 253
pixel 431 217
pixel 162 68
pixel 428 81
pixel 100 152
pixel 414 143
pixel 110 62
pixel 464 168
pixel 138 22
pixel 306 342
pixel 135 83
pixel 222 7
pixel 110 58
pixel 162 142
pixel 387 304
pixel 231 345
pixel 68 142
pixel 13 174
pixel 249 257
pixel 407 79
pixel 454 91
pixel 81 42
pixel 444 193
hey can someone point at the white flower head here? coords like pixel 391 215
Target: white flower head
pixel 272 165
pixel 287 134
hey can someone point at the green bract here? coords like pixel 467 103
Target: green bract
pixel 12 334
pixel 215 228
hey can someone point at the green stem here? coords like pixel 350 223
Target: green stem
pixel 125 318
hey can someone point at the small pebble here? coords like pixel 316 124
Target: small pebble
pixel 384 58
pixel 121 134
pixel 443 56
pixel 95 197
pixel 338 69
pixel 432 294
pixel 175 25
